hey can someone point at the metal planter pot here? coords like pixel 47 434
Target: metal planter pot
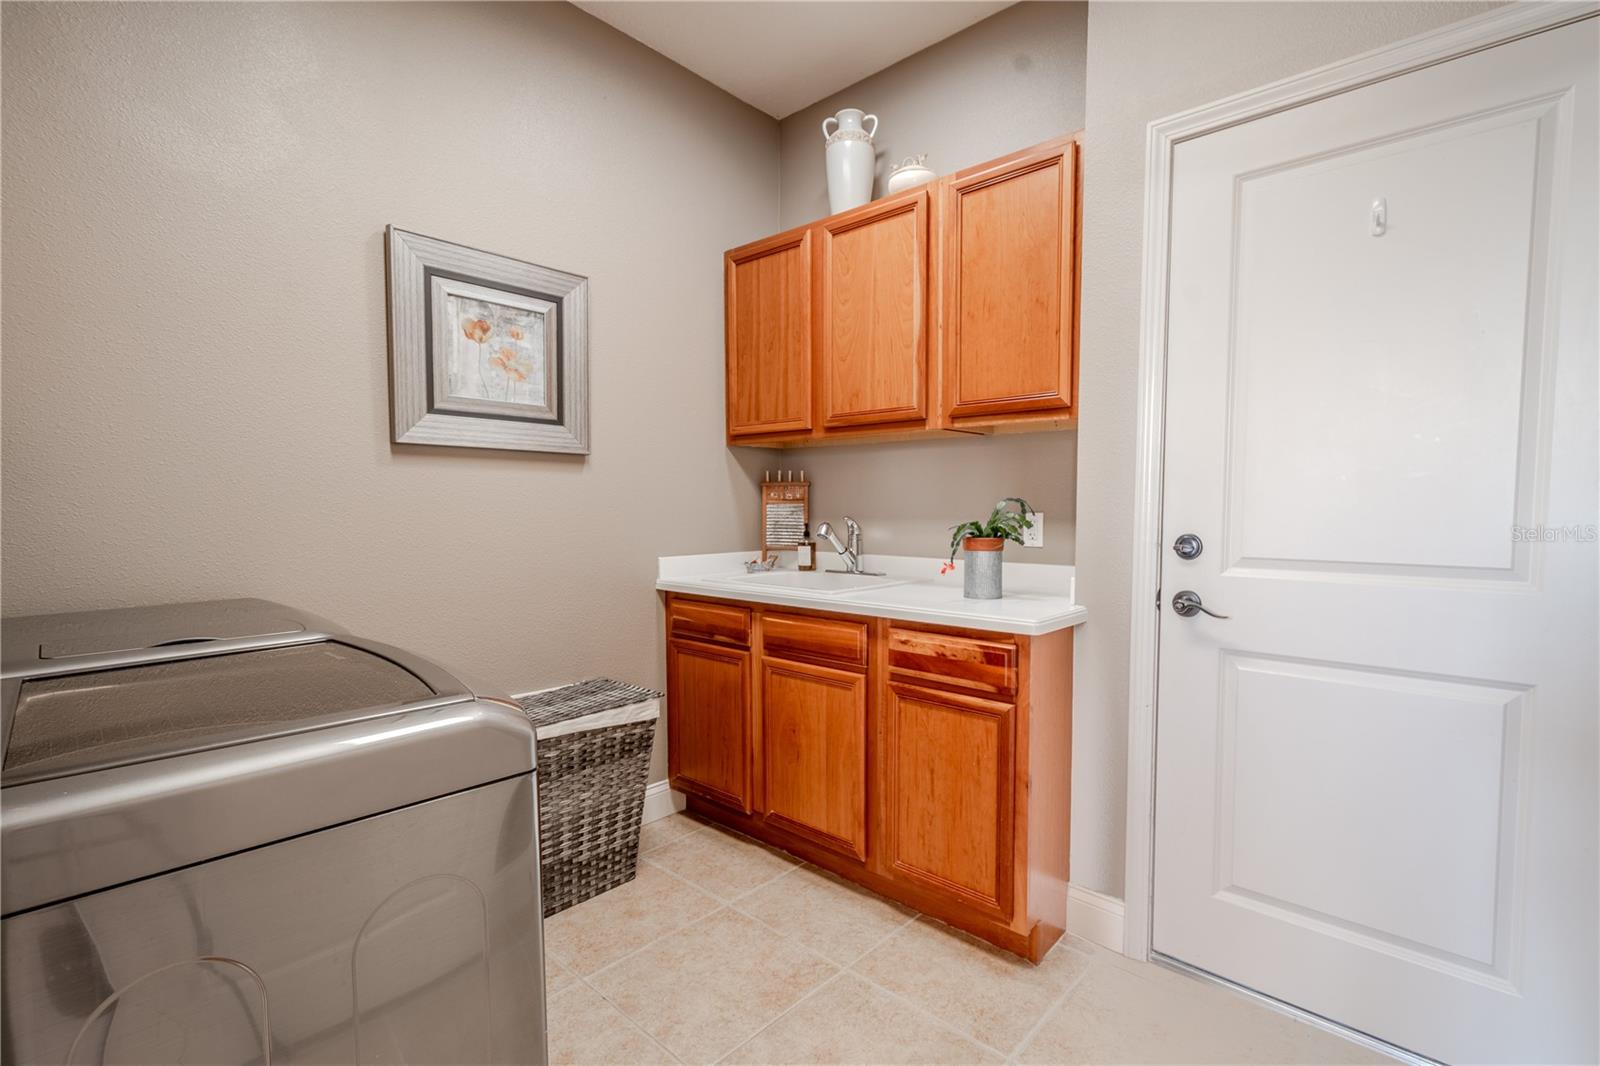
pixel 980 577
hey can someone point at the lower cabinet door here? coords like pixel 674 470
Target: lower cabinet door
pixel 950 764
pixel 708 721
pixel 814 732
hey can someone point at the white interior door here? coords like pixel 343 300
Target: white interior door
pixel 1376 779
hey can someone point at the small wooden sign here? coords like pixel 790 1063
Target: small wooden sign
pixel 785 515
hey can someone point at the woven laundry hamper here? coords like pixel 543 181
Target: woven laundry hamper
pixel 593 743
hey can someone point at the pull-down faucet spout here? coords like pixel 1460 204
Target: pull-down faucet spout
pixel 851 563
pixel 849 549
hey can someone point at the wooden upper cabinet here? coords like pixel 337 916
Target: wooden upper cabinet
pixel 950 308
pixel 1008 247
pixel 769 342
pixel 873 360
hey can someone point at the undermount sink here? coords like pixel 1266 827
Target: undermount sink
pixel 823 582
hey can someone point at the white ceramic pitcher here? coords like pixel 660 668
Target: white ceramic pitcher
pixel 851 158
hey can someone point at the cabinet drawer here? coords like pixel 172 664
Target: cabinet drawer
pixel 793 636
pixel 715 622
pixel 946 661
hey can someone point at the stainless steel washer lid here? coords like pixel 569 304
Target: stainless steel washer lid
pixel 125 760
pixel 39 638
pixel 71 723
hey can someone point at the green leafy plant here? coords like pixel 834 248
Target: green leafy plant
pixel 1002 522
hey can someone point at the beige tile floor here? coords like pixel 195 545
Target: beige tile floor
pixel 723 950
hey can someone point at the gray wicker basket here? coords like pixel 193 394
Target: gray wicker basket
pixel 593 747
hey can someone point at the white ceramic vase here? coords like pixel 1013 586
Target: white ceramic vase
pixel 851 158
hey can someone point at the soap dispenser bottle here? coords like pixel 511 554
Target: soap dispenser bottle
pixel 806 551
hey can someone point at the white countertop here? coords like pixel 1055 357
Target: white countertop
pixel 1038 596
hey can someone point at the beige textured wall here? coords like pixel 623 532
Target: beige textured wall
pixel 1148 61
pixel 195 380
pixel 1012 80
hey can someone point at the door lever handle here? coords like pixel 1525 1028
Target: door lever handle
pixel 1187 603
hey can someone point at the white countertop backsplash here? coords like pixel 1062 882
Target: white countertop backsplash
pixel 1038 596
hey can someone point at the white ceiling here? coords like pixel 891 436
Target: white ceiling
pixel 780 55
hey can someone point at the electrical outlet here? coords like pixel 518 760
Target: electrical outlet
pixel 1034 537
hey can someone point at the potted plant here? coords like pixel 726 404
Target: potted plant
pixel 983 543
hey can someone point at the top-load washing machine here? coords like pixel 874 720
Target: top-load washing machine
pixel 231 832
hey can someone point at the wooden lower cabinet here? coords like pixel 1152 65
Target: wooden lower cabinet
pixel 814 747
pixel 708 719
pixel 951 762
pixel 931 764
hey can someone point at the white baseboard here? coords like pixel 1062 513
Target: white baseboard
pixel 1095 916
pixel 660 801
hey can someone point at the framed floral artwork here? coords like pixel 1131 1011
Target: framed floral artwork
pixel 485 351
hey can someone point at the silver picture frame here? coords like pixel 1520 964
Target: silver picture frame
pixel 485 351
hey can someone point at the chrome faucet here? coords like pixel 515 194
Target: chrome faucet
pixel 849 549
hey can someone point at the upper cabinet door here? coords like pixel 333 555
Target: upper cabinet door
pixel 874 267
pixel 1008 244
pixel 769 336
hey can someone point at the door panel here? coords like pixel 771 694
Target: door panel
pixel 1375 788
pixel 708 714
pixel 814 729
pixel 874 339
pixel 1430 398
pixel 951 765
pixel 1293 734
pixel 1009 286
pixel 769 336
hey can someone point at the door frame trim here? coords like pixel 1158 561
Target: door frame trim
pixel 1452 41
